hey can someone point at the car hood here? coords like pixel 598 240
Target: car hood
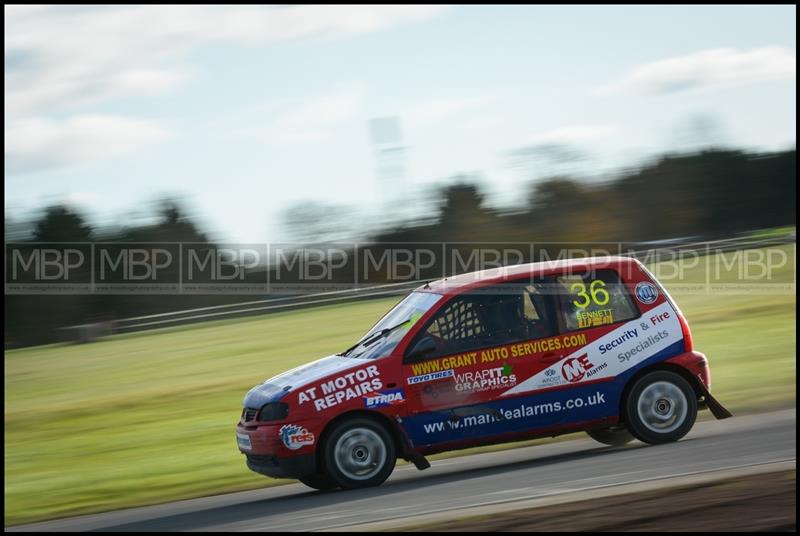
pixel 276 387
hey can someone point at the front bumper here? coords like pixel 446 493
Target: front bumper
pixel 288 467
pixel 266 454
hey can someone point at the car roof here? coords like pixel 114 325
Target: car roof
pixel 472 280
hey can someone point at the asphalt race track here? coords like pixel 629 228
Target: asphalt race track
pixel 467 481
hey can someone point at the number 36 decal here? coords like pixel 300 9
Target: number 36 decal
pixel 596 294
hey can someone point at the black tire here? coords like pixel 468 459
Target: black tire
pixel 661 407
pixel 319 481
pixel 359 453
pixel 615 437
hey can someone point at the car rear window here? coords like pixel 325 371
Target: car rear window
pixel 593 299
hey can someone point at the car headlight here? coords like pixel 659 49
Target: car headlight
pixel 274 411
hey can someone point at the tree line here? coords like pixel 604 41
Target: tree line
pixel 714 193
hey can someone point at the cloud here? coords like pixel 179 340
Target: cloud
pixel 430 112
pixel 64 61
pixel 34 143
pixel 82 199
pixel 707 68
pixel 64 57
pixel 298 120
pixel 574 134
pixel 310 119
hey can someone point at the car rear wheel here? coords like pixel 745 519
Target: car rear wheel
pixel 611 436
pixel 661 407
pixel 319 481
pixel 359 453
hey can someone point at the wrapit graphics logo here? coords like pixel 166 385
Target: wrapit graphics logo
pixel 486 379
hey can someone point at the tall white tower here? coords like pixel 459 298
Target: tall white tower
pixel 390 165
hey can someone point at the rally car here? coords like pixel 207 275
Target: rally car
pixel 527 351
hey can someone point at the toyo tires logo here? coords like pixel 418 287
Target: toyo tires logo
pixel 294 436
pixel 575 368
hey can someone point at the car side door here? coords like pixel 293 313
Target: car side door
pixel 476 347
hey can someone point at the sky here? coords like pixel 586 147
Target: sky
pixel 244 111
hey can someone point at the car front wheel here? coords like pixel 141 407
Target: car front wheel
pixel 661 407
pixel 359 453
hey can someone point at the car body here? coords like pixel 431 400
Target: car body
pixel 525 351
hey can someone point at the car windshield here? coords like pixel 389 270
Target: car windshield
pixel 399 320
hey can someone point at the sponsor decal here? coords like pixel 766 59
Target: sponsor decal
pixel 598 368
pixel 612 354
pixel 499 354
pixel 551 378
pixel 590 319
pixel 486 379
pixel 342 388
pixel 521 411
pixel 525 349
pixel 657 319
pixel 294 436
pixel 646 292
pixel 641 347
pixel 383 399
pixel 575 368
pixel 275 388
pixel 617 341
pixel 431 376
pixel 445 363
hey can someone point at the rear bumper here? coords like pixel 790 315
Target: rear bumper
pixel 697 364
pixel 288 467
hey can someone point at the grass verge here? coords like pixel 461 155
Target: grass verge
pixel 147 418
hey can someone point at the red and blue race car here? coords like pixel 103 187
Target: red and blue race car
pixel 526 351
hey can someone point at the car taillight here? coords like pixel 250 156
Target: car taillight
pixel 688 344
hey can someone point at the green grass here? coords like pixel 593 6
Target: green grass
pixel 775 232
pixel 748 332
pixel 146 418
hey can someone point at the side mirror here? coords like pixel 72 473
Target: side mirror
pixel 424 346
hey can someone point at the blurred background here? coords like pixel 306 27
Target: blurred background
pixel 648 126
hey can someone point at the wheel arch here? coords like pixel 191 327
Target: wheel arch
pixel 379 418
pixel 694 383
